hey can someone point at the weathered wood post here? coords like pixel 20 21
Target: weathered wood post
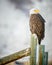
pixel 15 56
pixel 41 54
pixel 45 58
pixel 33 50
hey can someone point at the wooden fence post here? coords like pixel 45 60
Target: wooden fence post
pixel 15 56
pixel 33 50
pixel 45 58
pixel 41 54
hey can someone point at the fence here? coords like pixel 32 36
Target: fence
pixel 43 56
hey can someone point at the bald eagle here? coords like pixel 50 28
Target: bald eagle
pixel 37 24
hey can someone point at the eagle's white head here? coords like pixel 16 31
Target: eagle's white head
pixel 34 11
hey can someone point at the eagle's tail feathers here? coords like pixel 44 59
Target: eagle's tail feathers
pixel 39 41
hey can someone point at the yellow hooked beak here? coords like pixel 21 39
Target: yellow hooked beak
pixel 37 11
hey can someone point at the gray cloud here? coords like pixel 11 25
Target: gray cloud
pixel 23 5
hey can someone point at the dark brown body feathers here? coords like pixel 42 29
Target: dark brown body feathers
pixel 37 26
